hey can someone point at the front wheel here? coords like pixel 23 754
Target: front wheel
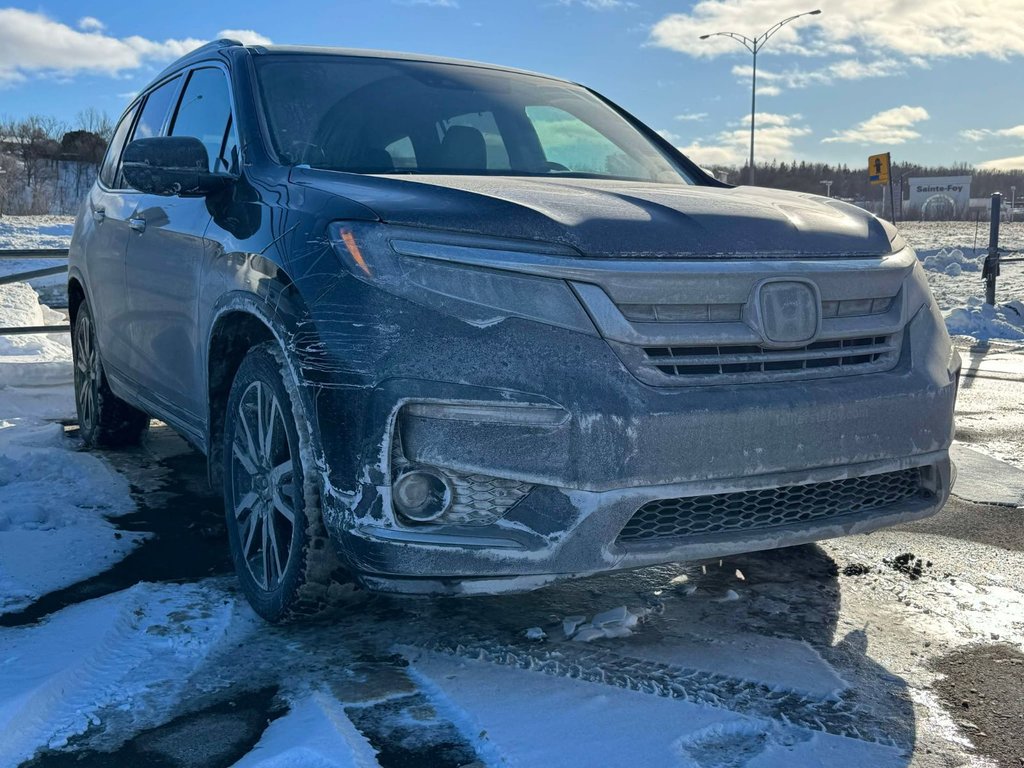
pixel 285 563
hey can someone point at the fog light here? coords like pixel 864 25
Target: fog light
pixel 421 496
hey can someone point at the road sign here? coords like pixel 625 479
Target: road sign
pixel 878 169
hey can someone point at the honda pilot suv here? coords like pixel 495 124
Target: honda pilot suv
pixel 450 328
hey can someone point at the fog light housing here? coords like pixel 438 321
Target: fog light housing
pixel 421 496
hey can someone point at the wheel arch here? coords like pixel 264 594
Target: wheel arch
pixel 242 321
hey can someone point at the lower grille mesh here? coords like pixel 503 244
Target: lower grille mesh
pixel 771 507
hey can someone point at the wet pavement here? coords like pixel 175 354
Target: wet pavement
pixel 827 641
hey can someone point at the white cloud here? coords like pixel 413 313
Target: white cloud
pixel 979 134
pixel 926 28
pixel 775 136
pixel 1003 164
pixel 890 35
pixel 687 117
pixel 245 36
pixel 844 69
pixel 768 90
pixel 32 43
pixel 91 24
pixel 893 126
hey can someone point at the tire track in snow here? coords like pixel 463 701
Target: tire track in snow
pixel 126 652
pixel 841 716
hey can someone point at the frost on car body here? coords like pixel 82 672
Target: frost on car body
pixel 512 358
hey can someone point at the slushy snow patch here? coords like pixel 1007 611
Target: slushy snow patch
pixel 982 321
pixel 617 622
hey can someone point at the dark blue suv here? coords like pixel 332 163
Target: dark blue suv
pixel 443 327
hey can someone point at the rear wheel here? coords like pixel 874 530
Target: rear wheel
pixel 284 562
pixel 104 419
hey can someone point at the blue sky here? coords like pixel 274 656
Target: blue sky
pixel 932 81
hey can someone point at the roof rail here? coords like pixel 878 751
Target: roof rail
pixel 214 45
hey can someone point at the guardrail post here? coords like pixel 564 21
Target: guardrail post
pixel 991 269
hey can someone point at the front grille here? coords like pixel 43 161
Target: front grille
pixel 737 360
pixel 726 313
pixel 772 507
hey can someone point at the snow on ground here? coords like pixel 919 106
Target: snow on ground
pixel 54 509
pixel 54 501
pixel 315 733
pixel 540 720
pixel 130 651
pixel 22 232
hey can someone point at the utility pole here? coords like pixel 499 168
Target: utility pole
pixel 755 44
pixel 828 187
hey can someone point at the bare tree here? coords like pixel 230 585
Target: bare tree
pixel 95 121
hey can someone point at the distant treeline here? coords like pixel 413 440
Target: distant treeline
pixel 852 183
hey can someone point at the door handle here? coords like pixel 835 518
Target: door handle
pixel 99 214
pixel 138 224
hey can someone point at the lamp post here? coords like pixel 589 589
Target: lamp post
pixel 1013 201
pixel 828 187
pixel 754 45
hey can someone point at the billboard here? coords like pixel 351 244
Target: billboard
pixel 939 197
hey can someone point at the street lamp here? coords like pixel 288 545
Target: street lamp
pixel 754 45
pixel 828 187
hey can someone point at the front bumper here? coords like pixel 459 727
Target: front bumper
pixel 464 563
pixel 608 441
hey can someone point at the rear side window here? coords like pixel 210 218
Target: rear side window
pixel 158 104
pixel 205 112
pixel 108 171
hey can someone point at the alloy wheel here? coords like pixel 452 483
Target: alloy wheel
pixel 264 487
pixel 87 374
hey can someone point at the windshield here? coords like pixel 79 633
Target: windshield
pixel 369 115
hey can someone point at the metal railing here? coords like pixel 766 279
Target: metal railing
pixel 19 277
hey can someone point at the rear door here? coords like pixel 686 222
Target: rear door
pixel 165 260
pixel 109 209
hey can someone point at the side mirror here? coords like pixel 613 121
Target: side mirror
pixel 171 165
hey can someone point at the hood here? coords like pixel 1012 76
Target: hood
pixel 617 219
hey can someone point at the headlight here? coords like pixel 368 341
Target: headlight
pixel 448 272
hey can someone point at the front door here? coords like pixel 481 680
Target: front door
pixel 165 264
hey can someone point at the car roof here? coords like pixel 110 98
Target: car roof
pixel 208 51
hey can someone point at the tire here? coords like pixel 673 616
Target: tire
pixel 104 419
pixel 271 494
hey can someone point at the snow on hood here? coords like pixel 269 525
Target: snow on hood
pixel 617 218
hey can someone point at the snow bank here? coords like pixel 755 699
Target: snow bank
pixel 36 375
pixel 21 232
pixel 54 508
pixel 982 321
pixel 952 262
